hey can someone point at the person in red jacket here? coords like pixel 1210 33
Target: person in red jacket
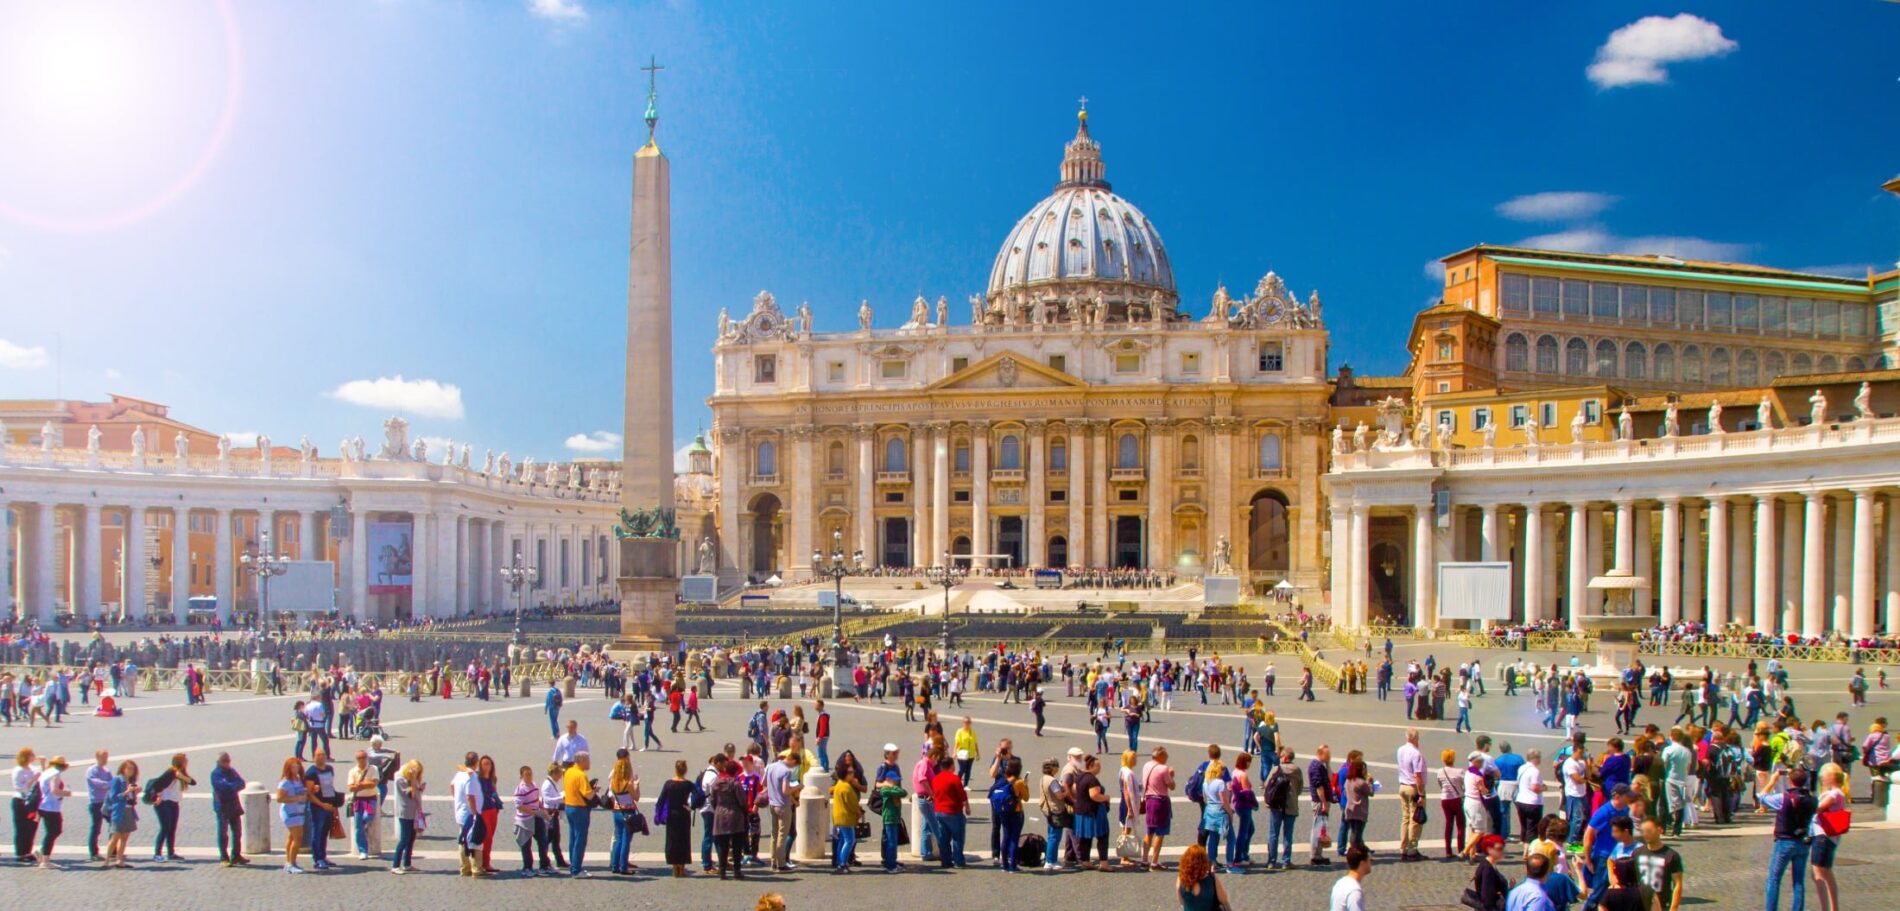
pixel 824 736
pixel 951 803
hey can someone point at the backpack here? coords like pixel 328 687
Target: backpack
pixel 1002 796
pixel 1278 788
pixel 755 729
pixel 1193 791
pixel 876 803
pixel 698 800
pixel 156 784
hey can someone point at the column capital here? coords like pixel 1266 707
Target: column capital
pixel 864 430
pixel 980 425
pixel 800 432
pixel 1036 425
pixel 1161 423
pixel 1863 494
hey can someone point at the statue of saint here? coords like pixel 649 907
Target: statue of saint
pixel 1864 403
pixel 943 311
pixel 725 323
pixel 1491 435
pixel 1625 425
pixel 1765 413
pixel 1531 429
pixel 138 441
pixel 919 313
pixel 1669 418
pixel 1817 408
pixel 1359 437
pixel 1576 427
pixel 864 315
pixel 421 451
pixel 804 317
pixel 92 439
pixel 706 558
pixel 1339 440
pixel 1715 417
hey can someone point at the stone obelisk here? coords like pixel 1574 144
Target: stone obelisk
pixel 649 566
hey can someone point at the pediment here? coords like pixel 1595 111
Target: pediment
pixel 1008 371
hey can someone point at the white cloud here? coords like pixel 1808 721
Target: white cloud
pixel 1435 270
pixel 681 461
pixel 112 373
pixel 598 441
pixel 426 398
pixel 557 10
pixel 1844 270
pixel 16 357
pixel 1636 53
pixel 242 439
pixel 437 445
pixel 1597 239
pixel 1560 205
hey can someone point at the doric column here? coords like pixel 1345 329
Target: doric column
pixel 132 601
pixel 803 503
pixel 1891 597
pixel 6 552
pixel 1533 561
pixel 86 600
pixel 1765 527
pixel 1862 598
pixel 1718 565
pixel 1098 493
pixel 461 591
pixel 939 490
pixel 41 590
pixel 1645 568
pixel 1579 593
pixel 1814 566
pixel 1038 533
pixel 1424 588
pixel 1340 589
pixel 1692 575
pixel 358 569
pixel 1792 538
pixel 732 560
pixel 422 563
pixel 1361 578
pixel 226 588
pixel 1221 484
pixel 1080 501
pixel 310 544
pixel 980 489
pixel 920 554
pixel 1840 560
pixel 1594 528
pixel 1625 536
pixel 864 518
pixel 1158 488
pixel 1551 585
pixel 1488 533
pixel 500 555
pixel 180 558
pixel 1741 557
pixel 1670 585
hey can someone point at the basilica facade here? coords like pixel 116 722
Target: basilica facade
pixel 1082 417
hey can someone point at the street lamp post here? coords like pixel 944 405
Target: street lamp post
pixel 263 564
pixel 517 577
pixel 836 569
pixel 948 575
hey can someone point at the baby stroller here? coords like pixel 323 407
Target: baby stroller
pixel 369 723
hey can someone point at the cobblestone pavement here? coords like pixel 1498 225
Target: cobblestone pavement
pixel 1725 865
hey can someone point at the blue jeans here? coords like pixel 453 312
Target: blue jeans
pixel 554 724
pixel 365 820
pixel 1788 852
pixel 950 826
pixel 1599 881
pixel 623 840
pixel 844 840
pixel 577 819
pixel 705 839
pixel 927 838
pixel 824 754
pixel 1011 833
pixel 1134 734
pixel 887 850
pixel 1053 848
pixel 1240 837
pixel 319 825
pixel 1280 836
pixel 1577 814
pixel 1464 720
pixel 405 844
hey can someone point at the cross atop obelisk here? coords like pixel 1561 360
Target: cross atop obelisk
pixel 652 69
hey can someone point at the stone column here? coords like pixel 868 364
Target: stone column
pixel 1670 583
pixel 1645 561
pixel 359 563
pixel 1080 501
pixel 1037 547
pixel 865 518
pixel 181 563
pixel 1488 533
pixel 732 560
pixel 1098 493
pixel 1862 598
pixel 1840 560
pixel 1594 528
pixel 1340 576
pixel 1579 593
pixel 1159 490
pixel 920 554
pixel 132 595
pixel 1533 561
pixel 1424 587
pixel 980 488
pixel 1765 528
pixel 38 589
pixel 500 556
pixel 1548 542
pixel 1814 566
pixel 800 509
pixel 310 542
pixel 1718 564
pixel 1891 612
pixel 460 590
pixel 1789 616
pixel 1692 575
pixel 1625 536
pixel 1361 564
pixel 939 490
pixel 1742 575
pixel 6 553
pixel 226 584
pixel 91 572
pixel 1221 486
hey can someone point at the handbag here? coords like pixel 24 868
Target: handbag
pixel 1418 813
pixel 638 823
pixel 863 828
pixel 1322 833
pixel 336 826
pixel 1834 823
pixel 1128 847
pixel 903 833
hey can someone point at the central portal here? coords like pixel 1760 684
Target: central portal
pixel 1128 542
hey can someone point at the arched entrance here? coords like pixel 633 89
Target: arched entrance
pixel 1268 538
pixel 1009 538
pixel 1058 551
pixel 767 513
pixel 1385 596
pixel 895 547
pixel 960 547
pixel 1129 546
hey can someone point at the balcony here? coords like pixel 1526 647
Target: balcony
pixel 835 476
pixel 1006 476
pixel 960 474
pixel 1126 474
pixel 1188 473
pixel 893 477
pixel 764 480
pixel 1270 474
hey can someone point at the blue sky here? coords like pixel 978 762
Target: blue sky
pixel 438 191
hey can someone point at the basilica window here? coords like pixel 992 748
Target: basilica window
pixel 1270 452
pixel 834 459
pixel 1855 364
pixel 1520 415
pixel 1603 301
pixel 895 456
pixel 1773 366
pixel 1636 361
pixel 1190 451
pixel 1546 354
pixel 1480 418
pixel 1664 363
pixel 1691 364
pixel 1747 311
pixel 1544 295
pixel 959 364
pixel 962 457
pixel 893 369
pixel 1576 298
pixel 1801 316
pixel 765 368
pixel 1547 414
pixel 1606 358
pixel 1059 363
pixel 1128 451
pixel 1127 363
pixel 1774 315
pixel 1854 320
pixel 1592 411
pixel 1747 368
pixel 1719 306
pixel 1718 366
pixel 834 372
pixel 1636 303
pixel 765 459
pixel 1689 308
pixel 1191 363
pixel 1009 453
pixel 1827 318
pixel 1829 364
pixel 1272 357
pixel 1058 455
pixel 1662 305
pixel 1516 353
pixel 1515 291
pixel 1577 357
pixel 1803 363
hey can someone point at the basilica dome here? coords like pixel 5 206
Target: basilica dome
pixel 1085 242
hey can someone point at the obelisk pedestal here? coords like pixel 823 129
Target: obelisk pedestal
pixel 648 582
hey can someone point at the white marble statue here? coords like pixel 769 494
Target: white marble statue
pixel 706 559
pixel 725 323
pixel 1531 435
pixel 1864 403
pixel 1223 556
pixel 395 440
pixel 49 437
pixel 421 451
pixel 1625 425
pixel 92 439
pixel 464 459
pixel 181 447
pixel 553 476
pixel 304 451
pixel 224 448
pixel 1576 427
pixel 1339 440
pixel 488 461
pixel 347 450
pixel 506 467
pixel 1491 435
pixel 919 313
pixel 804 317
pixel 1715 417
pixel 1222 303
pixel 1422 433
pixel 138 441
pixel 943 311
pixel 1765 413
pixel 527 470
pixel 263 454
pixel 976 310
pixel 864 315
pixel 1154 306
pixel 1670 421
pixel 1443 433
pixel 1817 408
pixel 1359 437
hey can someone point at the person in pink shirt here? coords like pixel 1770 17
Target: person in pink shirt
pixel 1157 786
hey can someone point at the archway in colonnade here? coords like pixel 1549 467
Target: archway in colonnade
pixel 1268 535
pixel 767 519
pixel 1386 575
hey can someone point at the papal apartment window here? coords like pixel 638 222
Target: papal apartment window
pixel 1547 414
pixel 1444 386
pixel 1191 363
pixel 834 371
pixel 893 370
pixel 1058 362
pixel 1592 411
pixel 1520 415
pixel 1480 418
pixel 1272 357
pixel 1448 420
pixel 765 368
pixel 957 364
pixel 1127 363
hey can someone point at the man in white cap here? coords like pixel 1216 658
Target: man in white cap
pixel 387 763
pixel 890 762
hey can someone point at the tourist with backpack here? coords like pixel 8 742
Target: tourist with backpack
pixel 1057 812
pixel 1008 793
pixel 1283 788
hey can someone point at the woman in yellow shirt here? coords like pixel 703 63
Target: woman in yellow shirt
pixel 845 813
pixel 966 750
